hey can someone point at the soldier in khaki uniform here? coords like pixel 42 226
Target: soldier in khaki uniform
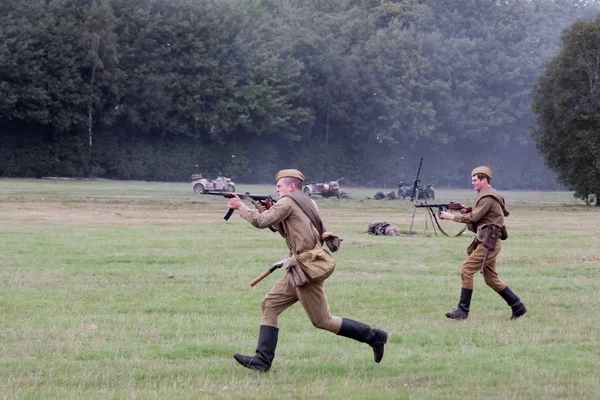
pixel 312 262
pixel 486 218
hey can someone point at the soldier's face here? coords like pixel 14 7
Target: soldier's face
pixel 283 187
pixel 477 183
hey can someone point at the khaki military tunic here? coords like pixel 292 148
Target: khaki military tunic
pixel 486 209
pixel 303 241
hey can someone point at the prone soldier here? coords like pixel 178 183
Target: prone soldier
pixel 383 228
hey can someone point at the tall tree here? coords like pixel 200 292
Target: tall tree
pixel 101 65
pixel 567 105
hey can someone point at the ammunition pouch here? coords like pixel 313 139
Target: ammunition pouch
pixel 503 233
pixel 488 234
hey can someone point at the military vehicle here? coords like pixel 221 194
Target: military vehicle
pixel 332 188
pixel 404 191
pixel 429 191
pixel 200 184
pixel 423 191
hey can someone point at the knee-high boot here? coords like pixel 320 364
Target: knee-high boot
pixel 376 338
pixel 464 304
pixel 518 308
pixel 265 350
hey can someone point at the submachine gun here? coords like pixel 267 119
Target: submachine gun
pixel 263 200
pixel 441 207
pixel 434 218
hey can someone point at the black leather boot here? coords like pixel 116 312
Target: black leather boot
pixel 518 308
pixel 464 304
pixel 265 350
pixel 376 338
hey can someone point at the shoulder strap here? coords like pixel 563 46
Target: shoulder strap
pixel 500 200
pixel 504 210
pixel 306 204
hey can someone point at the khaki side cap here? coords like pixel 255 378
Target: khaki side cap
pixel 482 170
pixel 293 173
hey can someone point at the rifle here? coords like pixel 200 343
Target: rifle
pixel 441 207
pixel 261 198
pixel 416 182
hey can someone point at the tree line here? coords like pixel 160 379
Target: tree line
pixel 161 89
pixel 567 105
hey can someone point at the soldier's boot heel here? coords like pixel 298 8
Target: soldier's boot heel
pixel 265 350
pixel 457 314
pixel 376 338
pixel 464 305
pixel 377 343
pixel 518 311
pixel 515 303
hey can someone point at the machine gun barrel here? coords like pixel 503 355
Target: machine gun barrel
pixel 254 197
pixel 416 182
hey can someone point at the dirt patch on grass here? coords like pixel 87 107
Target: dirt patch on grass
pixel 589 260
pixel 101 211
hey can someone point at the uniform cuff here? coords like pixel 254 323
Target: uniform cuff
pixel 245 212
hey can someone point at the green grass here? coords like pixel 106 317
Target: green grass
pixel 87 308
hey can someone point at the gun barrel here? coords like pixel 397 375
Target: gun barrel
pixel 423 205
pixel 416 181
pixel 449 206
pixel 246 195
pixel 256 197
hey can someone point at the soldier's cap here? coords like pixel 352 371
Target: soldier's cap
pixel 291 173
pixel 482 170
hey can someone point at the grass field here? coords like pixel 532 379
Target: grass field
pixel 141 290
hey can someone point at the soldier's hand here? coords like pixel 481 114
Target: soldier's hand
pixel 265 204
pixel 466 210
pixel 447 216
pixel 234 202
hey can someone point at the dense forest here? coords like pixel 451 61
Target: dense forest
pixel 161 89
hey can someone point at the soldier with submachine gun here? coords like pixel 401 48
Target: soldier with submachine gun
pixel 296 217
pixel 260 201
pixel 486 218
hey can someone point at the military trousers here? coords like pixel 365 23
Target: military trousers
pixel 311 296
pixel 472 265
